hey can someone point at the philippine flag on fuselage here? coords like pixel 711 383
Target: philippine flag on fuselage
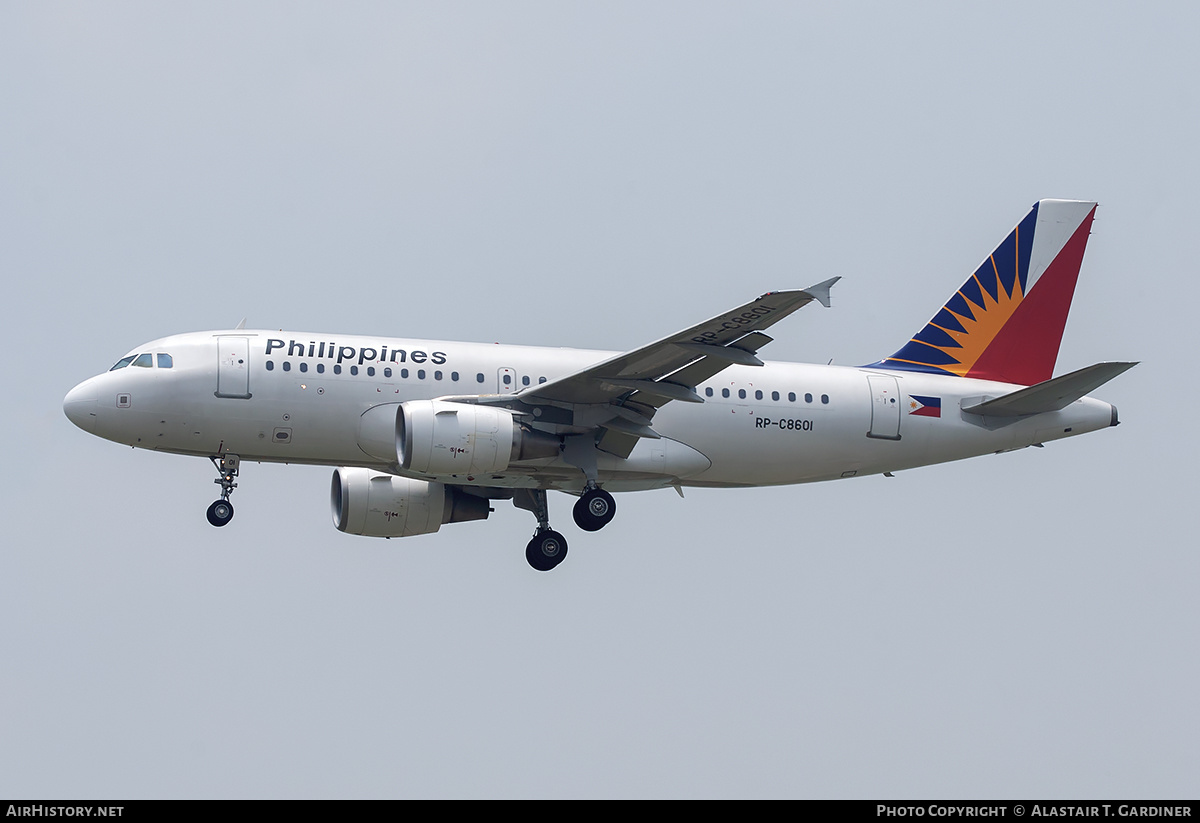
pixel 923 406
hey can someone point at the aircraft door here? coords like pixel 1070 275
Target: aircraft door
pixel 233 367
pixel 885 407
pixel 506 381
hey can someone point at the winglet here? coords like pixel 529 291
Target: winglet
pixel 820 292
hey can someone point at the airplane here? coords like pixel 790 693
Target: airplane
pixel 424 433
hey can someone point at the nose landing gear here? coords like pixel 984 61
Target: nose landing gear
pixel 221 511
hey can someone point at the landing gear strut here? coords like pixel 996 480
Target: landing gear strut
pixel 548 548
pixel 594 509
pixel 221 511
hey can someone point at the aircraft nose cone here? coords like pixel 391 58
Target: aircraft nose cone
pixel 80 406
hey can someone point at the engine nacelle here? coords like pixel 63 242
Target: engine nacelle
pixel 444 438
pixel 436 437
pixel 375 504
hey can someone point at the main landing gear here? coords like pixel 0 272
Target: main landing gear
pixel 548 548
pixel 593 511
pixel 221 511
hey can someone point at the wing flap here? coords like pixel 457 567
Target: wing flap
pixel 715 360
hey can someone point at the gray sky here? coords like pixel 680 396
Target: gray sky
pixel 595 175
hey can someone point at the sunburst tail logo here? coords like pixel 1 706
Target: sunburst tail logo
pixel 1007 320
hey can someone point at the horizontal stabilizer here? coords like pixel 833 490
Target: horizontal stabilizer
pixel 1052 395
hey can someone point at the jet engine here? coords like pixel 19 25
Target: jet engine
pixel 435 437
pixel 446 438
pixel 438 437
pixel 375 504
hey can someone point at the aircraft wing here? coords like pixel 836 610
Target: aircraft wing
pixel 671 368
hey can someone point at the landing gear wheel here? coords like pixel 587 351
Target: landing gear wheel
pixel 220 512
pixel 594 509
pixel 546 550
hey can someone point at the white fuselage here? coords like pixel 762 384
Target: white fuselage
pixel 301 398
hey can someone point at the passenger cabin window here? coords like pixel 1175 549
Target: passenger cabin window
pixel 146 361
pixel 123 362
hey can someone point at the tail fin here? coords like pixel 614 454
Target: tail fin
pixel 1007 320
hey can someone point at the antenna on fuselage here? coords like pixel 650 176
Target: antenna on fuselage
pixel 241 324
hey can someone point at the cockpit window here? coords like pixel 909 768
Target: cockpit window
pixel 144 360
pixel 164 361
pixel 123 362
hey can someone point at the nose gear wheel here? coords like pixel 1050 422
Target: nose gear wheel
pixel 221 511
